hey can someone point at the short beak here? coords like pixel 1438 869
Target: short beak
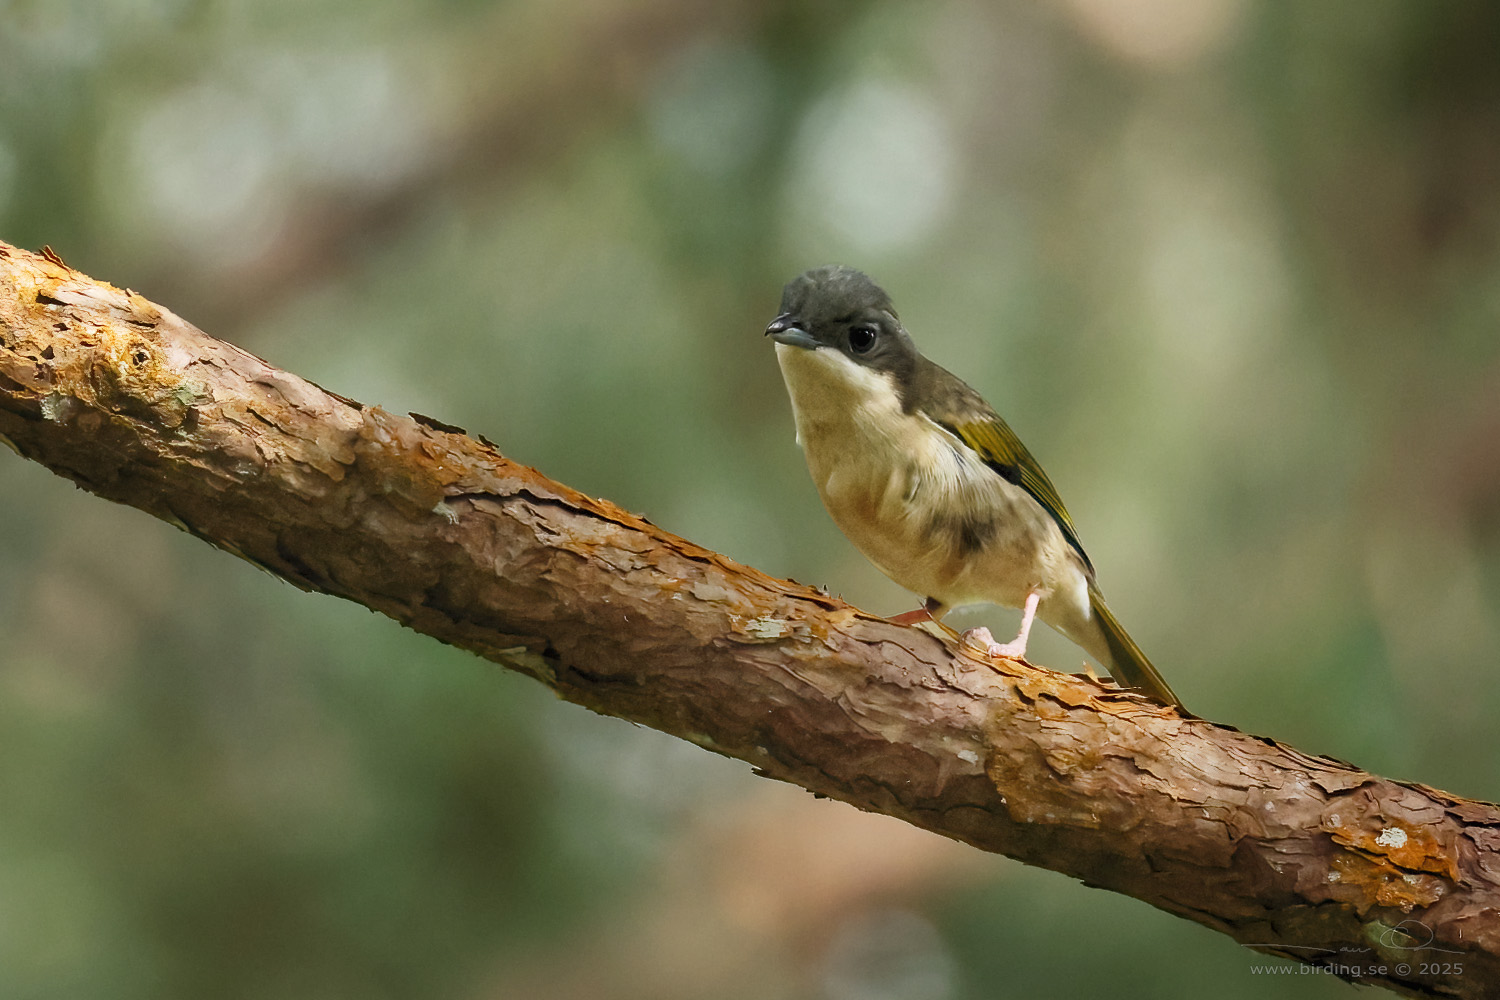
pixel 784 330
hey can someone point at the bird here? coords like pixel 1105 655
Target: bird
pixel 929 483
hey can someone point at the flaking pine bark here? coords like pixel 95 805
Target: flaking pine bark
pixel 1383 882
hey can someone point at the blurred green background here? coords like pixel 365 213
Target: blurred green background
pixel 1230 269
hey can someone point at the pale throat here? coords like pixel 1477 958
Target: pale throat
pixel 834 394
pixel 852 428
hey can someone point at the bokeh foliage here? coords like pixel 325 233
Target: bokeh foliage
pixel 1229 268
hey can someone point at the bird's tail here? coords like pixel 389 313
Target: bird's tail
pixel 1127 664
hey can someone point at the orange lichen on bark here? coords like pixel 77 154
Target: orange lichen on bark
pixel 1398 859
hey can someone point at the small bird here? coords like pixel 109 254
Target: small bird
pixel 929 483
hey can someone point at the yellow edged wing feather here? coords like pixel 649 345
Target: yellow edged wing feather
pixel 994 441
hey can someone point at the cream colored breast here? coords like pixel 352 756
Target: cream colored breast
pixel 860 447
pixel 916 501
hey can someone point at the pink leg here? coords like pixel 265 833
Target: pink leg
pixel 1016 648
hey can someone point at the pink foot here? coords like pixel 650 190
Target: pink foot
pixel 980 639
pixel 1016 648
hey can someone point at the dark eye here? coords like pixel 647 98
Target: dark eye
pixel 861 339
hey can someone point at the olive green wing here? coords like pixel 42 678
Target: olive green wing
pixel 994 441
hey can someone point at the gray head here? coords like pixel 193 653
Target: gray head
pixel 841 309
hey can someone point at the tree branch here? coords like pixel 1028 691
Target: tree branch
pixel 1307 857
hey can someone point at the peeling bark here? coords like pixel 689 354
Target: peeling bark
pixel 1385 882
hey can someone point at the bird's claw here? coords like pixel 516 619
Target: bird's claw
pixel 980 640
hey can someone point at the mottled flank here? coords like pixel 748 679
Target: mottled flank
pixel 967 534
